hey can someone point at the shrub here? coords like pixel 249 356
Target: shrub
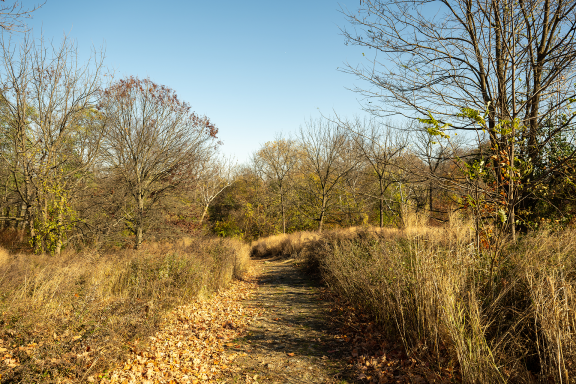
pixel 68 316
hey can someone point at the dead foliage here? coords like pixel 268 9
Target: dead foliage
pixel 190 347
pixel 69 317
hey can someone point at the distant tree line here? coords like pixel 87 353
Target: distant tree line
pixel 339 173
pixel 483 95
pixel 334 174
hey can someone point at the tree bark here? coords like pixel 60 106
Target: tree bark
pixel 430 190
pixel 59 229
pixel 322 214
pixel 204 212
pixel 283 211
pixel 381 204
pixel 140 222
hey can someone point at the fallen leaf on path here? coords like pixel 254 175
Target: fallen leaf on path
pixel 190 347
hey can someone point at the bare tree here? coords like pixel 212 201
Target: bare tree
pixel 379 147
pixel 53 129
pixel 503 66
pixel 12 16
pixel 436 153
pixel 276 161
pixel 153 142
pixel 215 174
pixel 328 158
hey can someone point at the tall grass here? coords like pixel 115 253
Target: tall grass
pixel 283 245
pixel 73 315
pixel 496 317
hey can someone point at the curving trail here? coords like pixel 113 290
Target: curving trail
pixel 292 340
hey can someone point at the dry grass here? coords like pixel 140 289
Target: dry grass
pixel 505 317
pixel 291 245
pixel 67 317
pixel 284 245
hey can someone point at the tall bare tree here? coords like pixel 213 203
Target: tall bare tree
pixel 436 153
pixel 328 158
pixel 215 174
pixel 153 142
pixel 379 147
pixel 503 66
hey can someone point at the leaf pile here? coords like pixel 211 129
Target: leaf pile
pixel 190 346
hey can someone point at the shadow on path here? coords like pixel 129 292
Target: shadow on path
pixel 292 340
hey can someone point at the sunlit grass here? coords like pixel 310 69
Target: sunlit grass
pixel 495 316
pixel 78 312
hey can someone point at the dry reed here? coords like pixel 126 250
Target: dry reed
pixel 506 316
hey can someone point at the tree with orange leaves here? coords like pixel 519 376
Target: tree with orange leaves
pixel 153 143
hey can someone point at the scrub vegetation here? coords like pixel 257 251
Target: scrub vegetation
pixel 505 317
pixel 447 216
pixel 75 315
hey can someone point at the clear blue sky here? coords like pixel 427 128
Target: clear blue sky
pixel 254 67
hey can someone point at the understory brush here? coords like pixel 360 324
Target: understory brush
pixel 495 316
pixel 67 317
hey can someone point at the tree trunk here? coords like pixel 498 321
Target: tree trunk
pixel 513 223
pixel 59 229
pixel 477 220
pixel 204 212
pixel 21 225
pixel 42 242
pixel 322 214
pixel 430 190
pixel 139 223
pixel 138 236
pixel 381 204
pixel 58 246
pixel 33 235
pixel 282 206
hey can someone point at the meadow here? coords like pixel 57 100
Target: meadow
pixel 496 316
pixel 65 317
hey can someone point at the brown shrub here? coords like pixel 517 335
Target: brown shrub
pixel 283 245
pixel 69 316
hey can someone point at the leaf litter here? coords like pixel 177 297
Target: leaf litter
pixel 277 326
pixel 190 347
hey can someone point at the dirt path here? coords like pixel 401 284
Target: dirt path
pixel 278 326
pixel 291 340
pixel 273 328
